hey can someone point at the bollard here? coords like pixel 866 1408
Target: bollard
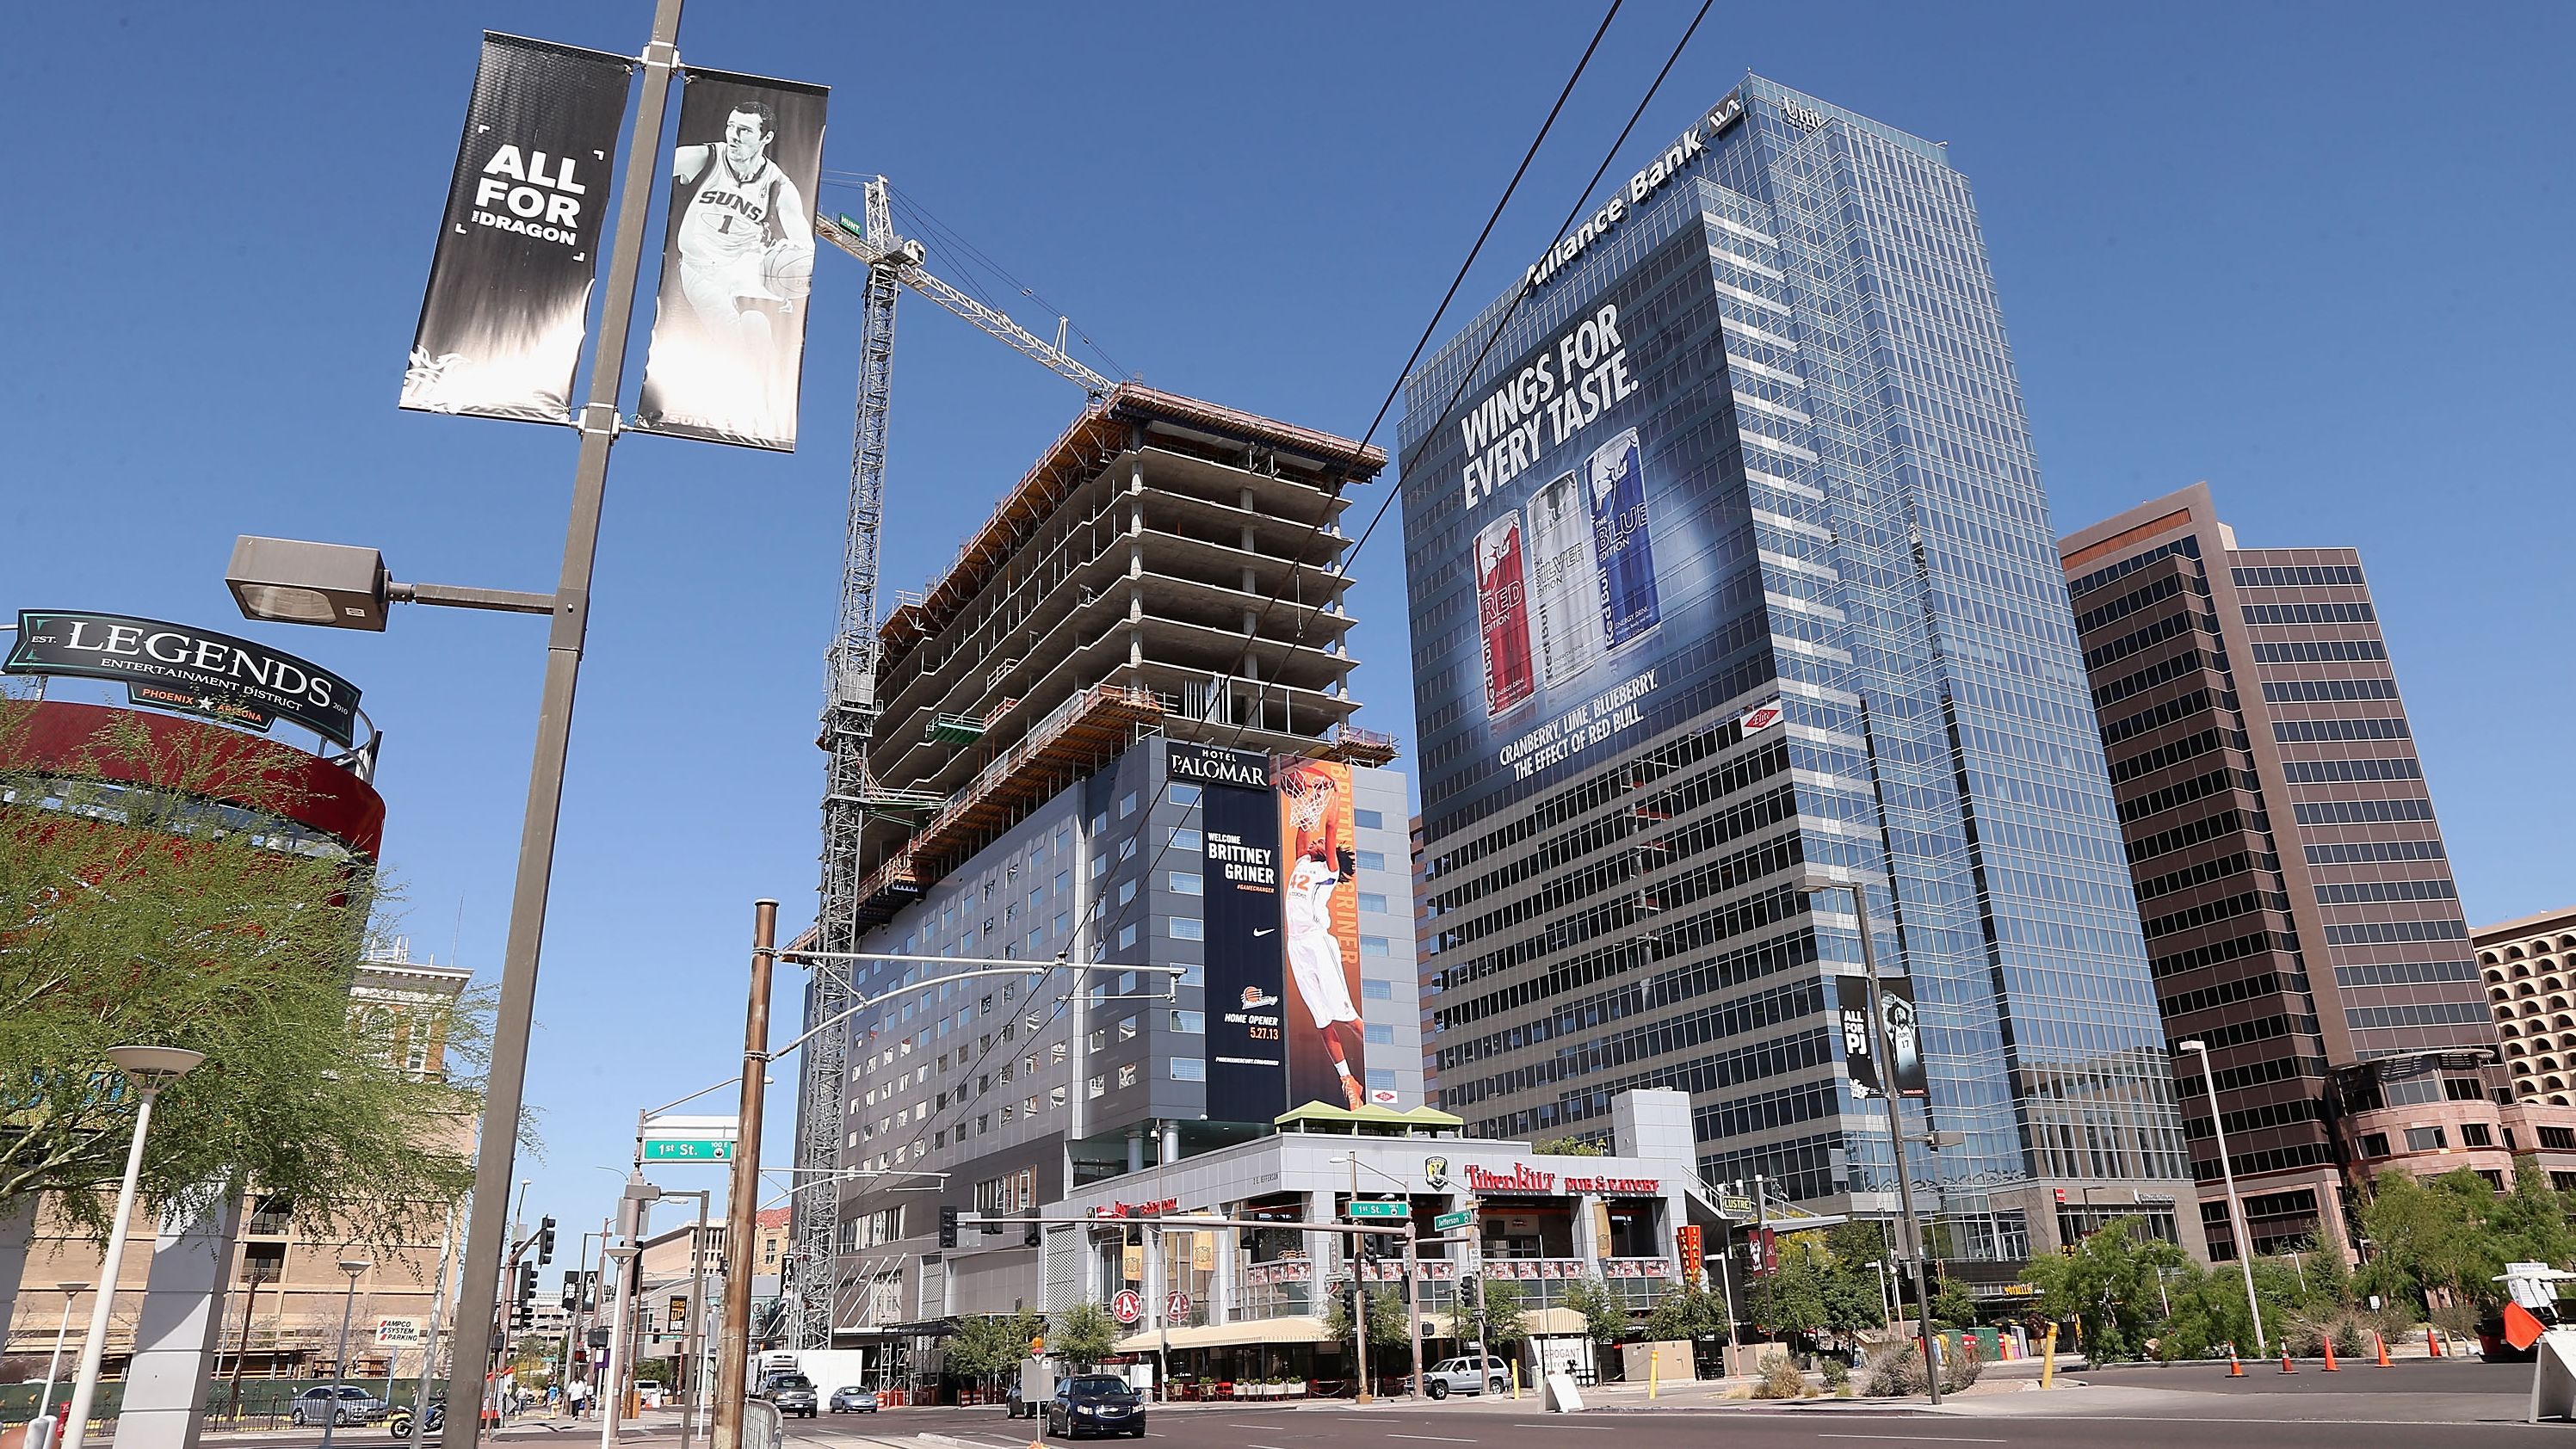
pixel 1516 1378
pixel 2048 1360
pixel 1654 1372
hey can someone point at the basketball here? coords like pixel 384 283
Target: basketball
pixel 787 269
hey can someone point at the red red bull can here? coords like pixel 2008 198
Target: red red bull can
pixel 1502 611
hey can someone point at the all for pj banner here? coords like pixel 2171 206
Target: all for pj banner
pixel 737 264
pixel 1319 920
pixel 518 249
pixel 1860 1042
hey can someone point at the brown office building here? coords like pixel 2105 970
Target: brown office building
pixel 2300 913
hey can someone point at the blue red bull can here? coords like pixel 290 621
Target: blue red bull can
pixel 1502 612
pixel 1615 482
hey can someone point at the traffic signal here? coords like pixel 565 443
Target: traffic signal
pixel 523 1311
pixel 545 1241
pixel 948 1227
pixel 572 1289
pixel 589 1290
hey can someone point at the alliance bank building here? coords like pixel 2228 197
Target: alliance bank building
pixel 1729 562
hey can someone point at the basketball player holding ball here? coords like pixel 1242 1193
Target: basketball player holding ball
pixel 744 237
pixel 1320 862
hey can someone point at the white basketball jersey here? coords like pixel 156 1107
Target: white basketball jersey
pixel 728 219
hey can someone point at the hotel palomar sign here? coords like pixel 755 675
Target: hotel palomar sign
pixel 174 666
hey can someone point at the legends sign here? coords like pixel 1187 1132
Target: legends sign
pixel 176 666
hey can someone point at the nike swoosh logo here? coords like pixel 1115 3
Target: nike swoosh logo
pixel 1264 930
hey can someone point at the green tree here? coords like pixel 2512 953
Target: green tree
pixel 988 1345
pixel 2108 1285
pixel 1792 1300
pixel 1604 1320
pixel 1503 1328
pixel 1689 1312
pixel 1084 1333
pixel 147 914
pixel 2451 1235
pixel 1954 1304
pixel 1569 1147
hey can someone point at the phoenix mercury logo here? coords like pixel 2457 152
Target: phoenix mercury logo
pixel 1254 997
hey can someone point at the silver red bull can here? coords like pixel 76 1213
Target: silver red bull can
pixel 1565 584
pixel 1615 483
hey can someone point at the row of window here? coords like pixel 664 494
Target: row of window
pixel 2320 651
pixel 2112 573
pixel 2305 731
pixel 2387 890
pixel 2335 772
pixel 2296 576
pixel 2361 812
pixel 2369 852
pixel 2390 933
pixel 2309 614
pixel 2448 1013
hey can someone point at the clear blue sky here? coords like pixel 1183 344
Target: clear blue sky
pixel 2315 255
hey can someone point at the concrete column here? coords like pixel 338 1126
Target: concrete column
pixel 17 1230
pixel 1323 1250
pixel 1587 1241
pixel 1171 1144
pixel 176 1333
pixel 1135 1149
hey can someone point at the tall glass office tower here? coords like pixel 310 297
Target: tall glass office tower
pixel 1819 622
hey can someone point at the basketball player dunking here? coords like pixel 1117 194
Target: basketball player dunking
pixel 1320 861
pixel 737 209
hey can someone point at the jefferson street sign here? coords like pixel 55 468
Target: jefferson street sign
pixel 1446 1221
pixel 1381 1210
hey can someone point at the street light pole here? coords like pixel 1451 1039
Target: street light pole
pixel 2235 1206
pixel 150 1069
pixel 340 1355
pixel 513 1021
pixel 622 1257
pixel 1885 1046
pixel 62 1332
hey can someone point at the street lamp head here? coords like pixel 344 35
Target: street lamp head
pixel 355 1266
pixel 153 1068
pixel 290 581
pixel 73 1287
pixel 2193 1045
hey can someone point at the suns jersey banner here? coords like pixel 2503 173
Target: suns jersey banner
pixel 509 289
pixel 1319 920
pixel 1247 1058
pixel 737 264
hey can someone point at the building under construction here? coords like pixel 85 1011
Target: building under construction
pixel 1164 585
pixel 1169 566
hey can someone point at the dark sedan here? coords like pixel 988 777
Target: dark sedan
pixel 1096 1404
pixel 792 1393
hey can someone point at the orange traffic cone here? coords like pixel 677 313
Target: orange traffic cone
pixel 2434 1345
pixel 2331 1366
pixel 2383 1348
pixel 2285 1360
pixel 2235 1370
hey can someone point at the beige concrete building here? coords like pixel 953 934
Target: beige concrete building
pixel 285 1290
pixel 2530 971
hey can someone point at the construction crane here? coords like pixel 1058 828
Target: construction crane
pixel 849 718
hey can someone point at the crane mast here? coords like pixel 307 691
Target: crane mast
pixel 849 718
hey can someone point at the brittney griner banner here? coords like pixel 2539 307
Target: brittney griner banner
pixel 509 290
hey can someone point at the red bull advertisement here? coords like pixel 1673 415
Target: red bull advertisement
pixel 1590 485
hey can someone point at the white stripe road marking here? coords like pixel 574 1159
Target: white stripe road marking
pixel 1441 1438
pixel 1915 1438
